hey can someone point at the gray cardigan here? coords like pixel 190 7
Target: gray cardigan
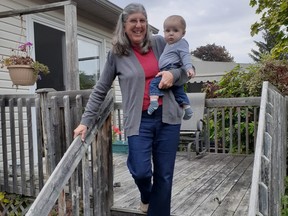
pixel 132 83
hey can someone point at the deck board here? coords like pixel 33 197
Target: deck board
pixel 215 185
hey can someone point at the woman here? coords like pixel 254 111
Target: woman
pixel 134 59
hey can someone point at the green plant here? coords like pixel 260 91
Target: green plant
pixel 284 199
pixel 211 88
pixel 22 56
pixel 39 68
pixel 86 81
pixel 272 70
pixel 224 130
pixel 18 203
pixel 3 198
pixel 245 83
pixel 234 83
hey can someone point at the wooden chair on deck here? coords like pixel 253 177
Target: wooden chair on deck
pixel 192 134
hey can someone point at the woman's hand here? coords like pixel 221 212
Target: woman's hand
pixel 167 79
pixel 80 130
pixel 191 73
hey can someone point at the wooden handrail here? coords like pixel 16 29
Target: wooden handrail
pixel 269 169
pixel 67 165
pixel 258 151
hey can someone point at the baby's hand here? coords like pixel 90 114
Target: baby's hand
pixel 191 73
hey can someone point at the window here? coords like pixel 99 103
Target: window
pixel 89 66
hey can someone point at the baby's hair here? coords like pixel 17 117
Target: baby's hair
pixel 176 18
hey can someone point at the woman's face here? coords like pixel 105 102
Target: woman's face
pixel 136 28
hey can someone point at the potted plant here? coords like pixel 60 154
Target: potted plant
pixel 118 146
pixel 23 70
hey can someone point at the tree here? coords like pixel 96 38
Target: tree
pixel 212 52
pixel 274 19
pixel 264 47
pixel 86 81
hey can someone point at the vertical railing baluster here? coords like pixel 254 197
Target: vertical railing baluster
pixel 21 145
pixel 231 129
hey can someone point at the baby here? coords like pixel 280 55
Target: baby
pixel 176 54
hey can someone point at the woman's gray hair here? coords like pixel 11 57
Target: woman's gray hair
pixel 120 41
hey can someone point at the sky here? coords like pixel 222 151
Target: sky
pixel 223 22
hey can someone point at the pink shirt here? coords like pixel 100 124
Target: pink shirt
pixel 149 64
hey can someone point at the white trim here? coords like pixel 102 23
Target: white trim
pixel 83 33
pixel 91 38
pixel 103 55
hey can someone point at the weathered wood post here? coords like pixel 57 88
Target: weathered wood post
pixel 71 64
pixel 49 151
pixel 102 170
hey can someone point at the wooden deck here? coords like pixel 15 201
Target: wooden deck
pixel 216 185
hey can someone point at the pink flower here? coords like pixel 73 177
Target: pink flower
pixel 116 130
pixel 23 47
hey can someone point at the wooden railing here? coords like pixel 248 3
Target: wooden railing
pixel 96 173
pixel 231 123
pixel 269 169
pixel 54 132
pixel 21 161
pixel 50 117
pixel 61 113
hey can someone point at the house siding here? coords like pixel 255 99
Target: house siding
pixel 10 31
pixel 10 35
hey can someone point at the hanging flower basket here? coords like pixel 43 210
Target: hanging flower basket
pixel 22 75
pixel 22 68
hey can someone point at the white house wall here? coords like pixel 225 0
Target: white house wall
pixel 10 30
pixel 9 36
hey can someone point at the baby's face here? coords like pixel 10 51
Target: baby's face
pixel 173 33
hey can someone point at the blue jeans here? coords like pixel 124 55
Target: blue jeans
pixel 178 91
pixel 156 143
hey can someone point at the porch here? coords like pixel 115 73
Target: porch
pixel 217 184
